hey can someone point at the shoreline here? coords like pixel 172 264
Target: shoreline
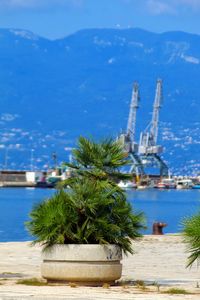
pixel 144 235
pixel 158 260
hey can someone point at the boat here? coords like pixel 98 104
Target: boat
pixel 166 183
pixel 54 177
pixel 196 186
pixel 184 184
pixel 142 187
pixel 127 185
pixel 44 184
pixel 160 185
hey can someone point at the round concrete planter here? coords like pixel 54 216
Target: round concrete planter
pixel 83 264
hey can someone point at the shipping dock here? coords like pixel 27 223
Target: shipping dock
pixel 19 178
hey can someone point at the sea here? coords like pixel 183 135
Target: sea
pixel 168 206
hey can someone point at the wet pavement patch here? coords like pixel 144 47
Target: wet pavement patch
pixel 11 275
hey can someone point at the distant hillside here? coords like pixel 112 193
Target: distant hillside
pixel 53 91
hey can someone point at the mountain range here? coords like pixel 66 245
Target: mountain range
pixel 52 91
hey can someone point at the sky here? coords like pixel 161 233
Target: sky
pixel 58 18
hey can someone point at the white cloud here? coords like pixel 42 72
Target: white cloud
pixel 195 4
pixel 160 7
pixel 155 7
pixel 111 60
pixel 8 117
pixel 10 4
pixel 190 59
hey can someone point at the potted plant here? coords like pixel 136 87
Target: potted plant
pixel 191 233
pixel 85 227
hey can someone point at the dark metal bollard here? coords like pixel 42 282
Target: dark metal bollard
pixel 158 228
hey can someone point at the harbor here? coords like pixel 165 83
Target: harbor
pixel 49 179
pixel 145 163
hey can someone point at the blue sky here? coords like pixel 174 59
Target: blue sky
pixel 58 18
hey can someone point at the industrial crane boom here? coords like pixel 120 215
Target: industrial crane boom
pixel 131 126
pixel 148 138
pixel 155 116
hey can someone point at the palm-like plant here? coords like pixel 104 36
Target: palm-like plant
pixel 93 209
pixel 191 232
pixel 100 160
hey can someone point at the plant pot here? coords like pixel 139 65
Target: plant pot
pixel 83 264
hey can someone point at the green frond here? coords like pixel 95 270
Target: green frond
pixel 107 156
pixel 191 234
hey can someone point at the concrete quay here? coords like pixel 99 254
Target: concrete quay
pixel 157 265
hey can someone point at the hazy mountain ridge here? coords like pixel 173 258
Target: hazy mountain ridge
pixel 52 91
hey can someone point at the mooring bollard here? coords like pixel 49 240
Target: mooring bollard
pixel 158 228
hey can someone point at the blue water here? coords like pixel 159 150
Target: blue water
pixel 168 206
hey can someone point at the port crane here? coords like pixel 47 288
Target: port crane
pixel 148 149
pixel 128 138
